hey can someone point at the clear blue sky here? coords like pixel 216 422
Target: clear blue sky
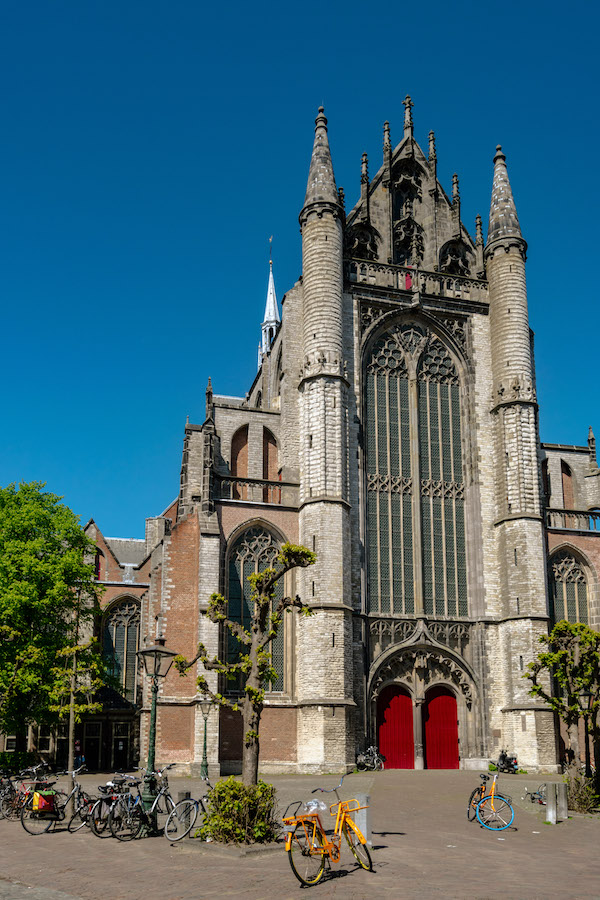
pixel 151 148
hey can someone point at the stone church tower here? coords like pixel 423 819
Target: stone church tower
pixel 393 428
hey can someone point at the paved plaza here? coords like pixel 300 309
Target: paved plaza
pixel 423 846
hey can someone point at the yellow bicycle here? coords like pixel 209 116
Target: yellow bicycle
pixel 307 844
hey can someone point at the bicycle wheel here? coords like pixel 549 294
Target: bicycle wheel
pixel 36 822
pixel 359 850
pixel 476 796
pixel 306 854
pixel 163 810
pixel 11 807
pixel 81 816
pixel 181 820
pixel 60 804
pixel 125 821
pixel 495 812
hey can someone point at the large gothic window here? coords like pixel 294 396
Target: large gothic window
pixel 254 551
pixel 120 641
pixel 415 490
pixel 568 589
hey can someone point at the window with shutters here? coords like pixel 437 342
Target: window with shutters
pixel 253 551
pixel 414 476
pixel 121 642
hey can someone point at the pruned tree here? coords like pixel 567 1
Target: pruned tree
pixel 572 662
pixel 252 664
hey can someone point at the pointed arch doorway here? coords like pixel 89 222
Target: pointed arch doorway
pixel 395 727
pixel 440 729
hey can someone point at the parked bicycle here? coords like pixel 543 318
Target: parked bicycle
pixel 491 809
pixel 19 788
pixel 307 844
pixel 128 815
pixel 538 796
pixel 100 811
pixel 185 816
pixel 370 759
pixel 47 806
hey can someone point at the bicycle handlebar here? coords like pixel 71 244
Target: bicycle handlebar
pixel 331 790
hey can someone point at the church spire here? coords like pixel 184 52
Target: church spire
pixel 504 222
pixel 321 181
pixel 271 320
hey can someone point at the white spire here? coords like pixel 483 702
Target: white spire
pixel 272 320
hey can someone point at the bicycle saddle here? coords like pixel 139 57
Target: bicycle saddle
pixel 485 777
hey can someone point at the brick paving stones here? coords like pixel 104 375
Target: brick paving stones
pixel 423 846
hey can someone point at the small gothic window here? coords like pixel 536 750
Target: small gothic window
pixel 568 589
pixel 100 566
pixel 254 551
pixel 567 486
pixel 239 462
pixel 120 641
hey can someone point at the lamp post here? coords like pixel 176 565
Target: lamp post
pixel 205 705
pixel 157 662
pixel 586 699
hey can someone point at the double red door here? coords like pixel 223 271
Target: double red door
pixel 440 728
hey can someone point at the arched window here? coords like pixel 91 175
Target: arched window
pixel 409 361
pixel 239 462
pixel 100 566
pixel 568 589
pixel 253 551
pixel 120 642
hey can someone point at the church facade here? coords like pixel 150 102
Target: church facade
pixel 392 428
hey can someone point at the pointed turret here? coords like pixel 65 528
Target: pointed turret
pixel 592 450
pixel 271 320
pixel 504 222
pixel 321 186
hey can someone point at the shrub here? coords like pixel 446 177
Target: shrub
pixel 239 813
pixel 581 791
pixel 17 760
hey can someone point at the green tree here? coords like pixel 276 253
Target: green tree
pixel 571 661
pixel 253 662
pixel 50 663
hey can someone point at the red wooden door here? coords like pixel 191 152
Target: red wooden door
pixel 395 728
pixel 440 729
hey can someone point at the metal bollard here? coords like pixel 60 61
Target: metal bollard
pixel 185 795
pixel 562 805
pixel 551 804
pixel 363 817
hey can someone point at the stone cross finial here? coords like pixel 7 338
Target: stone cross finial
pixel 592 449
pixel 432 153
pixel 408 120
pixel 387 141
pixel 455 188
pixel 364 169
pixel 478 231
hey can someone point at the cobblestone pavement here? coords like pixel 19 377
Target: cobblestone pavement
pixel 423 846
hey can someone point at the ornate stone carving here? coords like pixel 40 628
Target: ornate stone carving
pixel 392 484
pixel 409 245
pixel 360 241
pixel 516 387
pixel 387 357
pixel 457 328
pixel 437 364
pixel 456 258
pixel 567 569
pixel 446 489
pixel 127 614
pixel 432 666
pixel 322 362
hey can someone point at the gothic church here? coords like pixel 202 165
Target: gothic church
pixel 393 428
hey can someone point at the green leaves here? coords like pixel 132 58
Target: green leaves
pixel 47 594
pixel 240 814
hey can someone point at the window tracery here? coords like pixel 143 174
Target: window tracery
pixel 120 641
pixel 568 589
pixel 404 353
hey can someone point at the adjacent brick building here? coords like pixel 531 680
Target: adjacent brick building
pixel 393 428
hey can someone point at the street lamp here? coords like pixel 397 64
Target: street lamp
pixel 205 705
pixel 157 662
pixel 586 699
